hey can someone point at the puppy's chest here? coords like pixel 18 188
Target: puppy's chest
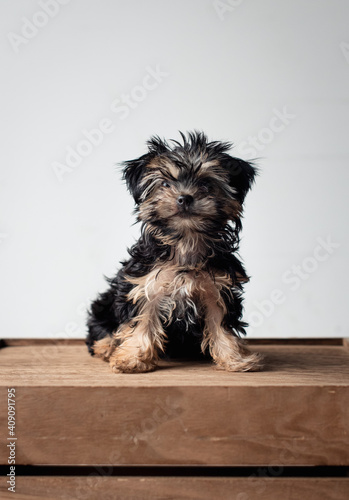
pixel 180 286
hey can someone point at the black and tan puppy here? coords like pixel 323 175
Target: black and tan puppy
pixel 181 288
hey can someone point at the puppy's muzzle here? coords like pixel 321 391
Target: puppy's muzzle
pixel 184 201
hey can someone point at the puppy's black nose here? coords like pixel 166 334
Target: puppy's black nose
pixel 184 201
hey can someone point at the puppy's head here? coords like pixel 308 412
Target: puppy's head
pixel 193 186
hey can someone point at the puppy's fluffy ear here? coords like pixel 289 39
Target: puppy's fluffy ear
pixel 133 172
pixel 242 175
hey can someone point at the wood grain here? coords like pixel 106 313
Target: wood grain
pixel 61 365
pixel 71 410
pixel 157 488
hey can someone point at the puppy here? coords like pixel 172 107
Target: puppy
pixel 180 290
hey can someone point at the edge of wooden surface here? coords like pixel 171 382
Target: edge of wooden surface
pixel 64 364
pixel 252 437
pixel 183 488
pixel 8 342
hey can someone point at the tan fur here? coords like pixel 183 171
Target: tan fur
pixel 137 350
pixel 144 337
pixel 182 281
pixel 207 165
pixel 159 293
pixel 188 236
pixel 228 352
pixel 233 210
pixel 165 165
pixel 104 348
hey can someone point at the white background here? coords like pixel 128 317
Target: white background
pixel 226 71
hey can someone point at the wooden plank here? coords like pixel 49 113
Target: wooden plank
pixel 191 425
pixel 40 342
pixel 158 488
pixel 60 365
pixel 71 410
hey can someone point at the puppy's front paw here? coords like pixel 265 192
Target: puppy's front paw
pixel 104 348
pixel 241 363
pixel 130 361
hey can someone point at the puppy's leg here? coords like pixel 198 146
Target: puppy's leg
pixel 140 340
pixel 227 351
pixel 101 325
pixel 105 347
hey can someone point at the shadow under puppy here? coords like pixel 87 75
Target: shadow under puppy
pixel 183 282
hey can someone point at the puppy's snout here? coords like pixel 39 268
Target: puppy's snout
pixel 184 201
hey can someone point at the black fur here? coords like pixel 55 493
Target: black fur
pixel 111 309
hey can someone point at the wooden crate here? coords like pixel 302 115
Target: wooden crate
pixel 71 410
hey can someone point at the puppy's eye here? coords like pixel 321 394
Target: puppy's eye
pixel 165 184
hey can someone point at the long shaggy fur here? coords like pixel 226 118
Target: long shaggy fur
pixel 180 292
